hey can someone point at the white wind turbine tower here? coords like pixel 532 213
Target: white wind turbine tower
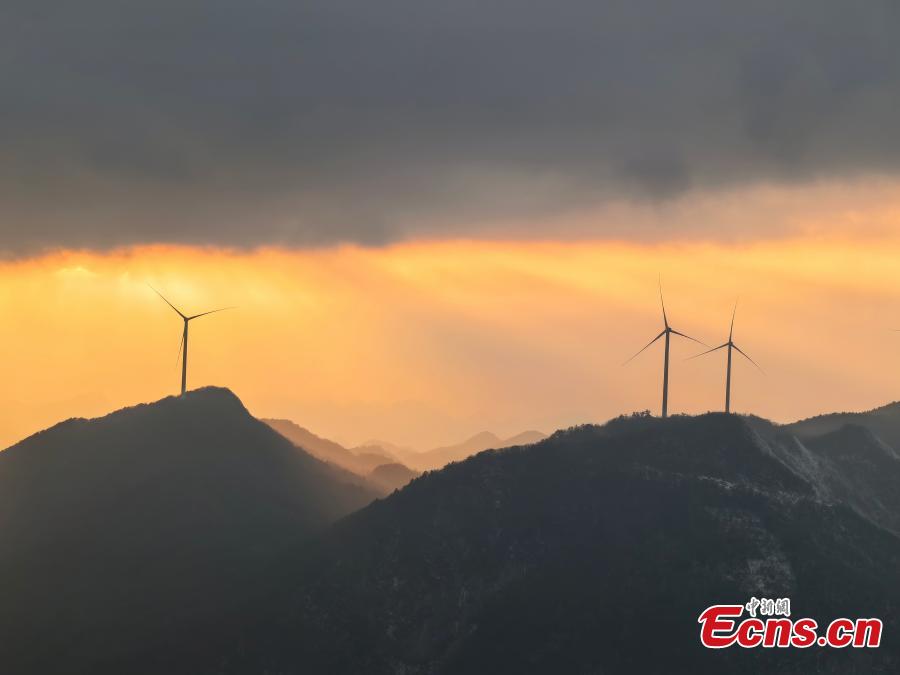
pixel 183 349
pixel 667 332
pixel 731 346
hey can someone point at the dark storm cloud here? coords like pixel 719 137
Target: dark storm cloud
pixel 245 123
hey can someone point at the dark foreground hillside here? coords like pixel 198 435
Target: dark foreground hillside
pixel 185 537
pixel 129 543
pixel 591 552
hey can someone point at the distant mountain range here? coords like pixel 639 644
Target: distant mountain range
pixel 185 537
pixel 391 448
pixel 364 459
pixel 361 460
pixel 440 457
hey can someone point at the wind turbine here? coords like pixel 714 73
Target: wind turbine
pixel 731 346
pixel 184 336
pixel 667 332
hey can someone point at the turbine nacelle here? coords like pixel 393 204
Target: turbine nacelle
pixel 182 314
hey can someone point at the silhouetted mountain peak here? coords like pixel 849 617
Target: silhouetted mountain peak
pixel 210 404
pixel 175 507
pixel 392 476
pixel 439 457
pixel 483 437
pixel 525 438
pixel 210 393
pixel 207 403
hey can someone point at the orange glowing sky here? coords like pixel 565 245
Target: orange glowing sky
pixel 426 342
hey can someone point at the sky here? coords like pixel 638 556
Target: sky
pixel 439 218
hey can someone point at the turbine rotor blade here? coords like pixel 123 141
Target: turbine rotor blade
pixel 180 347
pixel 212 311
pixel 663 305
pixel 731 330
pixel 688 337
pixel 708 351
pixel 644 347
pixel 168 303
pixel 748 358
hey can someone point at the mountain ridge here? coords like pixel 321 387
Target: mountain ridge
pixel 360 461
pixel 548 557
pixel 147 523
pixel 437 458
pixel 365 458
pixel 557 557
